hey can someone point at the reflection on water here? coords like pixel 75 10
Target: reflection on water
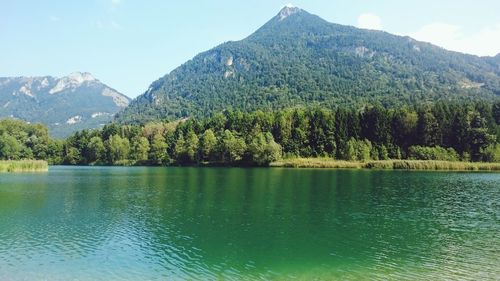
pixel 212 223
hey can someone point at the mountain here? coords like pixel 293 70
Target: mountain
pixel 299 59
pixel 77 101
pixel 495 61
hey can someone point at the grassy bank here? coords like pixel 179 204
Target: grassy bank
pixel 24 166
pixel 388 164
pixel 317 163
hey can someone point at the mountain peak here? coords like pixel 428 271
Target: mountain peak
pixel 297 59
pixel 81 77
pixel 72 81
pixel 287 11
pixel 73 102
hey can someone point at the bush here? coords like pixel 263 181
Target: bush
pixel 491 153
pixel 432 153
pixel 358 150
pixel 264 150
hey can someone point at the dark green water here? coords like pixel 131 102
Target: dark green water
pixel 247 224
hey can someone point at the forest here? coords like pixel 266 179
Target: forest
pixel 443 131
pixel 306 61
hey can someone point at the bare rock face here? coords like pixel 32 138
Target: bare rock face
pixel 229 61
pixel 287 11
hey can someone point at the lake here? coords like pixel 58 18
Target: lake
pixel 112 223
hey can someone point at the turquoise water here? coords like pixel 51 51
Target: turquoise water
pixel 77 223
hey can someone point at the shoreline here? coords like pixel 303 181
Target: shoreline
pixel 432 165
pixel 23 166
pixel 329 163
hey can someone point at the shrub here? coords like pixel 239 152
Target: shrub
pixel 432 153
pixel 491 153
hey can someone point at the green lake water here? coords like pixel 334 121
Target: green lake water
pixel 83 223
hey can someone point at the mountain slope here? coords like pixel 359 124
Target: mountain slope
pixel 78 101
pixel 299 59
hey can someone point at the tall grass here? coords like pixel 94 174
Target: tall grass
pixel 432 165
pixel 387 164
pixel 23 166
pixel 316 163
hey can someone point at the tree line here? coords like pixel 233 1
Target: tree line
pixel 443 131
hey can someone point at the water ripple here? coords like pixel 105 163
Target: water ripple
pixel 249 224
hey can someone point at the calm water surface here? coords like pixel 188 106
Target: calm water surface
pixel 248 224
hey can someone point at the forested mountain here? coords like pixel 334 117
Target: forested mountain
pixel 75 102
pixel 495 61
pixel 298 59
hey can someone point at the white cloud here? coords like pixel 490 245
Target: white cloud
pixel 369 21
pixel 116 2
pixel 483 42
pixel 54 18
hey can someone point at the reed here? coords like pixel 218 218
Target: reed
pixel 316 163
pixel 444 165
pixel 387 164
pixel 15 166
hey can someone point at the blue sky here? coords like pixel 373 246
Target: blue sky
pixel 128 44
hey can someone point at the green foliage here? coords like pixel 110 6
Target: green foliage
pixel 208 145
pixel 10 148
pixel 264 150
pixel 376 125
pixel 180 150
pixel 191 148
pixel 306 61
pixel 95 149
pixel 55 151
pixel 72 156
pixel 358 150
pixel 491 153
pixel 383 153
pixel 139 149
pixel 118 148
pixel 158 152
pixel 404 124
pixel 460 132
pixel 427 129
pixel 20 140
pixel 480 138
pixel 231 147
pixel 186 150
pixel 432 153
pixel 496 112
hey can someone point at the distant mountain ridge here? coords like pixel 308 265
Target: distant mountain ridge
pixel 77 101
pixel 299 59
